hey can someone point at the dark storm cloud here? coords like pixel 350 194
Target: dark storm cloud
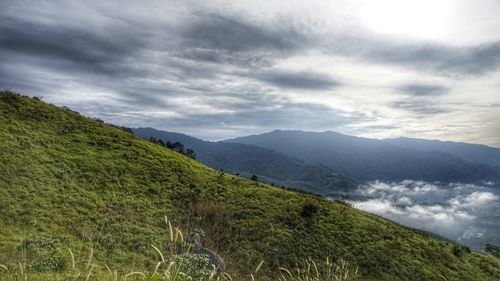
pixel 423 90
pixel 299 80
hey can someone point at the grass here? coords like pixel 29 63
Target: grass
pixel 76 183
pixel 173 267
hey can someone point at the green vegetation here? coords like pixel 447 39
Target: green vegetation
pixel 176 146
pixel 69 182
pixel 258 163
pixel 492 250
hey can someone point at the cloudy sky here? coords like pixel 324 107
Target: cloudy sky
pixel 463 212
pixel 220 69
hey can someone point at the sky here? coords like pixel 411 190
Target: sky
pixel 222 69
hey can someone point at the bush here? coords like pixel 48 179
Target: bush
pixel 460 251
pixel 309 210
pixel 193 267
pixel 492 249
pixel 43 254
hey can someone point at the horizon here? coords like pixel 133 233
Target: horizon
pixel 221 69
pixel 304 131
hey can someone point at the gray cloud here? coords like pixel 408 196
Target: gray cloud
pixel 423 90
pixel 223 39
pixel 78 48
pixel 214 31
pixel 420 107
pixel 440 59
pixel 420 99
pixel 299 80
pixel 475 60
pixel 253 113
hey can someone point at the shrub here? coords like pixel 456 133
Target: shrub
pixel 492 249
pixel 309 210
pixel 195 267
pixel 459 250
pixel 43 254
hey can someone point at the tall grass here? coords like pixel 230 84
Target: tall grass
pixel 173 266
pixel 327 271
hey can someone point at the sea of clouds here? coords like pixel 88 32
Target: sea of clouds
pixel 466 213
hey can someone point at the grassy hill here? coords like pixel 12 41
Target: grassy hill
pixel 70 181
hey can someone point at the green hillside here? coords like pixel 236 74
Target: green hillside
pixel 78 181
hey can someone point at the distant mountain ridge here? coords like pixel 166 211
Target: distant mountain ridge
pixel 269 165
pixel 472 152
pixel 372 159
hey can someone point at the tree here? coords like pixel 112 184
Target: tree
pixel 492 249
pixel 190 153
pixel 169 145
pixel 177 146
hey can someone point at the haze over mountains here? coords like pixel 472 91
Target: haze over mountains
pixel 473 152
pixel 392 160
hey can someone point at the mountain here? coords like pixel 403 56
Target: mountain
pixel 70 181
pixel 471 152
pixel 269 165
pixel 372 159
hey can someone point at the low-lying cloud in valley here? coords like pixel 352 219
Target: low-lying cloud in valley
pixel 466 213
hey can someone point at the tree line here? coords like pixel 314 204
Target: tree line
pixel 175 146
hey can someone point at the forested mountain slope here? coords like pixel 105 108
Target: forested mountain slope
pixel 268 165
pixel 372 159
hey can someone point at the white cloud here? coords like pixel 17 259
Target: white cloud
pixel 377 206
pixel 450 210
pixel 475 199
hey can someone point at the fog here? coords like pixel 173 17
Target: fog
pixel 466 213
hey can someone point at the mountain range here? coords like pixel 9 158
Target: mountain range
pixel 472 152
pixel 328 162
pixel 267 164
pixel 390 160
